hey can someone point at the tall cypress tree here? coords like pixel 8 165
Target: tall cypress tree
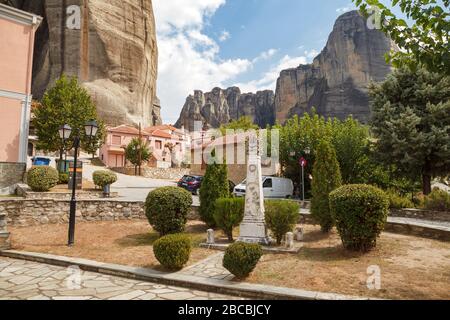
pixel 214 186
pixel 326 178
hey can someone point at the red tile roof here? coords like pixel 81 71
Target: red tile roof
pixel 127 130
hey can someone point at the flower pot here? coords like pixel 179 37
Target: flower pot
pixel 107 191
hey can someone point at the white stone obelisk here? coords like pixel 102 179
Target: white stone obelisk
pixel 253 228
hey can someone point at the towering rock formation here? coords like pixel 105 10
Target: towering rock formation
pixel 109 45
pixel 221 106
pixel 336 83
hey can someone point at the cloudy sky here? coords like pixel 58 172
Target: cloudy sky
pixel 208 43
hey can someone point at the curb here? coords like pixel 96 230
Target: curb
pixel 244 290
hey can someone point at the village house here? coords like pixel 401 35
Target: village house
pixel 17 30
pixel 167 144
pixel 233 149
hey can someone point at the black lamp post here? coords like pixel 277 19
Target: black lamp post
pixel 91 129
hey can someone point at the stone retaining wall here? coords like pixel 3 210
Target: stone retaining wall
pixel 422 214
pixel 10 175
pixel 30 212
pixel 156 173
pixel 25 192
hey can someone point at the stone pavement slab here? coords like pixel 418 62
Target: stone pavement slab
pixel 24 281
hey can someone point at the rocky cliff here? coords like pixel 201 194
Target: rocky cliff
pixel 109 45
pixel 336 82
pixel 221 106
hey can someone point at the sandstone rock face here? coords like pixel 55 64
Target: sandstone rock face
pixel 113 53
pixel 336 83
pixel 221 106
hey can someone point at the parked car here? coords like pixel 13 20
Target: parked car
pixel 273 187
pixel 193 184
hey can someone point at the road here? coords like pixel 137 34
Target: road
pixel 131 188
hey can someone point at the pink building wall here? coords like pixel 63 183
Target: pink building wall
pixel 17 30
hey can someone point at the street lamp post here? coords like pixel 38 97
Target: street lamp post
pixel 303 164
pixel 65 132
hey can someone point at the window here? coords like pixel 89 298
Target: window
pixel 116 140
pixel 158 144
pixel 268 184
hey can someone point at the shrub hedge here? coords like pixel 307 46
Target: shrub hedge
pixel 281 217
pixel 398 202
pixel 241 258
pixel 173 251
pixel 103 178
pixel 64 178
pixel 360 213
pixel 438 200
pixel 167 209
pixel 42 179
pixel 229 213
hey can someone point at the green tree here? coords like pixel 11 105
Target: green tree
pixel 243 123
pixel 214 186
pixel 352 144
pixel 92 145
pixel 65 103
pixel 326 179
pixel 426 41
pixel 297 136
pixel 137 152
pixel 411 122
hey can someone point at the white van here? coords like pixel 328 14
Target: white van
pixel 273 188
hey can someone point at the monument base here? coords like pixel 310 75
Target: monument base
pixel 254 232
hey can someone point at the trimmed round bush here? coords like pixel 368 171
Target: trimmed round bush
pixel 360 212
pixel 167 209
pixel 104 178
pixel 42 179
pixel 64 178
pixel 241 258
pixel 173 251
pixel 281 217
pixel 229 214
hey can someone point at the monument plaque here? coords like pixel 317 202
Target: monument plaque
pixel 253 228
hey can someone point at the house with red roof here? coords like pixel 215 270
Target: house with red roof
pixel 168 145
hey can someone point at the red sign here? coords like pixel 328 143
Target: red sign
pixel 303 162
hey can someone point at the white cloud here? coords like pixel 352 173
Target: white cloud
pixel 224 36
pixel 269 79
pixel 311 54
pixel 345 9
pixel 265 55
pixel 188 58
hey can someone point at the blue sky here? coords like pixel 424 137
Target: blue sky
pixel 209 43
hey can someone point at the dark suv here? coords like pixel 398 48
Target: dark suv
pixel 193 184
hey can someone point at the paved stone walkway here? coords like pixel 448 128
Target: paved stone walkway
pixel 210 268
pixel 23 280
